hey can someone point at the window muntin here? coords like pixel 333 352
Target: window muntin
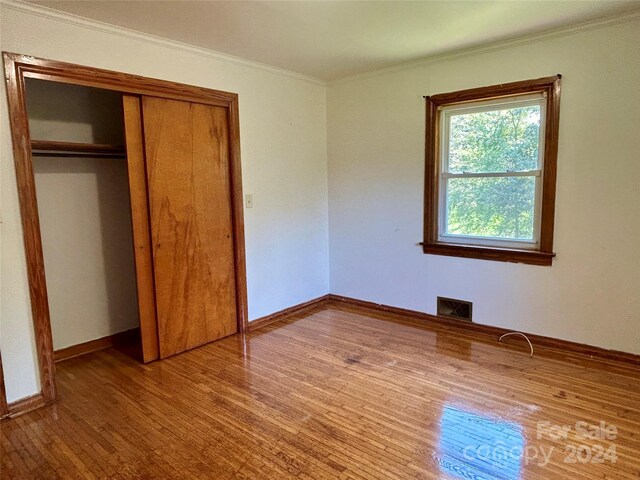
pixel 491 167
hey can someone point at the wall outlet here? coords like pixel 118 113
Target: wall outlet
pixel 248 200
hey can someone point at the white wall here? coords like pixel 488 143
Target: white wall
pixel 591 294
pixel 283 148
pixel 85 214
pixel 87 243
pixel 376 154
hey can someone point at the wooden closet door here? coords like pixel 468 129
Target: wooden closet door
pixel 141 230
pixel 189 190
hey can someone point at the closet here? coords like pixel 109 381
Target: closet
pixel 130 196
pixel 80 172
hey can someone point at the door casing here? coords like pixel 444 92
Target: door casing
pixel 17 68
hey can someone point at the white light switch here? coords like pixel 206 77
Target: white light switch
pixel 248 200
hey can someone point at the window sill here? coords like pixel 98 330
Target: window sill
pixel 531 257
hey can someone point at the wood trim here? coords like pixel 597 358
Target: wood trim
pixel 26 405
pixel 430 244
pixel 140 221
pixel 237 212
pixel 30 224
pixel 43 69
pixel 532 257
pixel 431 174
pixel 4 408
pixel 425 319
pixel 550 165
pixel 495 91
pixel 117 339
pixel 17 67
pixel 539 341
pixel 50 147
pixel 287 312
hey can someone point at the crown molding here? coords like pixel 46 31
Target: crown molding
pixel 495 46
pixel 96 25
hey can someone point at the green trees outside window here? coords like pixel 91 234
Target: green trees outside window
pixel 496 141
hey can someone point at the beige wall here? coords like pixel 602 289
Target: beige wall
pixel 591 294
pixel 283 143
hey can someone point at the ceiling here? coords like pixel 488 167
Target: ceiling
pixel 334 39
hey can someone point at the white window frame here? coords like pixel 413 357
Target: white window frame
pixel 446 112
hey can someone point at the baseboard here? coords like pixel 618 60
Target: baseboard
pixel 540 341
pixel 117 339
pixel 25 405
pixel 287 312
pixel 563 346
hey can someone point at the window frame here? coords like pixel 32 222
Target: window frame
pixel 437 106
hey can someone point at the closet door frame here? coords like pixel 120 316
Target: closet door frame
pixel 17 68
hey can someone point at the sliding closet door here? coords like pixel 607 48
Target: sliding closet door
pixel 141 230
pixel 189 191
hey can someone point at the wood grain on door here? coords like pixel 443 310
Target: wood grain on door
pixel 188 179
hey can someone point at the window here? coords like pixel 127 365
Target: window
pixel 490 172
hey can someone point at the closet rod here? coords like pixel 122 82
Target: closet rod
pixel 52 148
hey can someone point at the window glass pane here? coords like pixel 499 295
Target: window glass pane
pixel 502 207
pixel 495 141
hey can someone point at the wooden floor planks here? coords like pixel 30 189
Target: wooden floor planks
pixel 340 392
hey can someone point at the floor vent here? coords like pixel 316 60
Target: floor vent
pixel 453 308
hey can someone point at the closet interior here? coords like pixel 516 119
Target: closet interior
pixel 82 188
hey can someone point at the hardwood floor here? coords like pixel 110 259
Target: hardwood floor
pixel 336 393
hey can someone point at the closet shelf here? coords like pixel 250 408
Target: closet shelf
pixel 50 148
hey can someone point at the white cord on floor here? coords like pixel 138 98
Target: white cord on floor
pixel 518 333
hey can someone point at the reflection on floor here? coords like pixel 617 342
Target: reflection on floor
pixel 338 393
pixel 478 446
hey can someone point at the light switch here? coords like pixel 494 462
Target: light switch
pixel 248 200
